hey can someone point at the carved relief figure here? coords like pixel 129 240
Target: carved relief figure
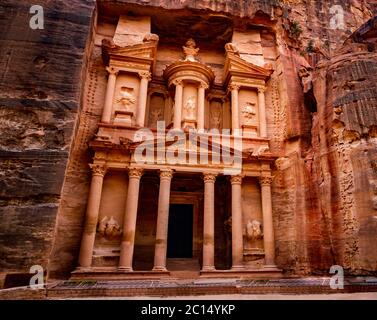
pixel 190 108
pixel 155 115
pixel 215 118
pixel 254 230
pixel 109 228
pixel 126 98
pixel 190 50
pixel 249 112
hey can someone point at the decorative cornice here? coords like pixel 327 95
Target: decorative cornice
pixel 236 179
pixel 98 169
pixel 265 181
pixel 204 85
pixel 135 173
pixel 112 70
pixel 166 174
pixel 177 82
pixel 145 74
pixel 209 177
pixel 234 86
pixel 261 90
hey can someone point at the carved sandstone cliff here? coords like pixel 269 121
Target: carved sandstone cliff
pixel 325 186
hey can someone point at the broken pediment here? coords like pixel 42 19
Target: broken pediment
pixel 144 52
pixel 236 66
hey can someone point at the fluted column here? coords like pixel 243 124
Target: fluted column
pixel 91 219
pixel 201 105
pixel 129 221
pixel 110 90
pixel 162 220
pixel 178 104
pixel 209 222
pixel 262 112
pixel 237 235
pixel 268 226
pixel 145 77
pixel 235 106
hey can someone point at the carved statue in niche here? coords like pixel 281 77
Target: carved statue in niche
pixel 155 115
pixel 109 228
pixel 254 230
pixel 249 112
pixel 215 118
pixel 190 50
pixel 190 108
pixel 126 98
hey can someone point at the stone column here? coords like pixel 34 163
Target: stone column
pixel 268 225
pixel 129 221
pixel 209 222
pixel 91 219
pixel 201 105
pixel 235 107
pixel 145 77
pixel 178 104
pixel 262 112
pixel 162 220
pixel 107 109
pixel 237 234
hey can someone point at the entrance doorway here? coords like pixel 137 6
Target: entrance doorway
pixel 180 231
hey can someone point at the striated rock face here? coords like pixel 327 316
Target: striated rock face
pixel 40 93
pixel 321 114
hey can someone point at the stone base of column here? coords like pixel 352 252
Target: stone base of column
pixel 159 269
pixel 208 268
pixel 125 269
pixel 271 267
pixel 237 268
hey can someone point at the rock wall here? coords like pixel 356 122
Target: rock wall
pixel 41 78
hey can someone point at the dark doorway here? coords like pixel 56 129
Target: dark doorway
pixel 180 231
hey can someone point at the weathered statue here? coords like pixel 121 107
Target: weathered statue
pixel 254 230
pixel 109 227
pixel 126 98
pixel 190 50
pixel 249 112
pixel 190 108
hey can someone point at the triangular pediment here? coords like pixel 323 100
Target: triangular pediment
pixel 141 51
pixel 235 65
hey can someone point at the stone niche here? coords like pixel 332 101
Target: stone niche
pixel 125 98
pixel 248 102
pixel 110 222
pixel 156 109
pixel 252 223
pixel 190 103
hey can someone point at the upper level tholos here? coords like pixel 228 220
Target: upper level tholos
pixel 187 86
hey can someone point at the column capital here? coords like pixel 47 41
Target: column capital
pixel 135 172
pixel 261 89
pixel 112 70
pixel 236 179
pixel 166 174
pixel 209 177
pixel 145 75
pixel 177 82
pixel 233 86
pixel 265 181
pixel 203 85
pixel 98 169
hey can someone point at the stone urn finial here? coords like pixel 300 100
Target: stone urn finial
pixel 190 50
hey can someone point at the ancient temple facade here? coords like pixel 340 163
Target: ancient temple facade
pixel 181 173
